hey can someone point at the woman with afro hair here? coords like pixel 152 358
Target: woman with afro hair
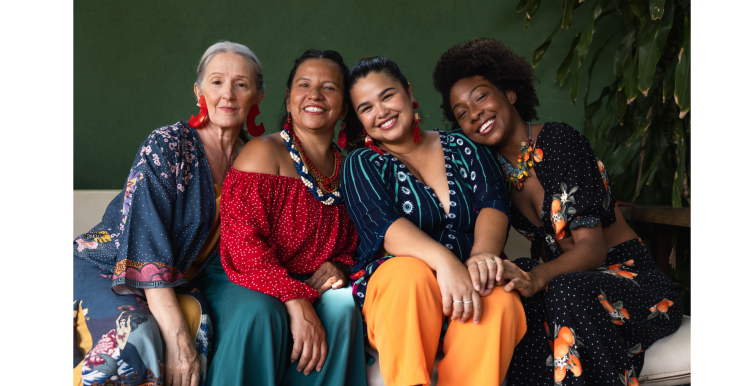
pixel 598 300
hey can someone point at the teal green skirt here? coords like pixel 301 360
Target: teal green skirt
pixel 253 341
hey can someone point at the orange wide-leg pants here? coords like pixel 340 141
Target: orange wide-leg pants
pixel 404 316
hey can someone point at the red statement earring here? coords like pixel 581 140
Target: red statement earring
pixel 288 124
pixel 343 140
pixel 370 144
pixel 196 122
pixel 252 129
pixel 417 118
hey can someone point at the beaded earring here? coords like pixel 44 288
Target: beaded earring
pixel 196 122
pixel 252 129
pixel 417 118
pixel 343 140
pixel 370 144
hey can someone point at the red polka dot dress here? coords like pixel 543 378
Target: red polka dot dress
pixel 272 228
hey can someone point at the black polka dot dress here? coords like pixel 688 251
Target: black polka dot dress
pixel 587 328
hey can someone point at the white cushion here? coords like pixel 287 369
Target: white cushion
pixel 667 361
pixel 89 207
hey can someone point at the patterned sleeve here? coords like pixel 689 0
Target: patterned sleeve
pixel 584 197
pixel 145 257
pixel 247 254
pixel 368 202
pixel 482 172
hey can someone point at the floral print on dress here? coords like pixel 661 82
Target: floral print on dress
pixel 617 311
pixel 635 350
pixel 130 186
pixel 562 209
pixel 660 309
pixel 620 271
pixel 605 179
pixel 564 354
pixel 629 378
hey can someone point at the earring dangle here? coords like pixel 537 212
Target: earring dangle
pixel 252 128
pixel 370 144
pixel 288 124
pixel 196 122
pixel 417 118
pixel 343 140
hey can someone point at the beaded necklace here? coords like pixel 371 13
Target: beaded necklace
pixel 514 175
pixel 324 189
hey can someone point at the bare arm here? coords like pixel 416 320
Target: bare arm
pixel 588 252
pixel 182 367
pixel 403 238
pixel 489 239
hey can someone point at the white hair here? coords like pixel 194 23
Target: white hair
pixel 236 48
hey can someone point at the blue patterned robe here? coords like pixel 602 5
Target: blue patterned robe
pixel 149 235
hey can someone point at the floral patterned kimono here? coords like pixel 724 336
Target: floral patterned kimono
pixel 149 237
pixel 588 327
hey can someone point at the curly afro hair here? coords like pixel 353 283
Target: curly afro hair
pixel 492 60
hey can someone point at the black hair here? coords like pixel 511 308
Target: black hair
pixel 318 54
pixel 492 60
pixel 366 66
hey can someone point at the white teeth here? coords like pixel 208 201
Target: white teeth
pixel 486 125
pixel 388 123
pixel 313 109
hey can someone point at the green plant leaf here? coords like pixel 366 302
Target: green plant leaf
pixel 562 71
pixel 521 5
pixel 591 109
pixel 624 50
pixel 657 8
pixel 587 35
pixel 679 174
pixel 682 73
pixel 629 80
pixel 574 82
pixel 622 106
pixel 648 177
pixel 652 38
pixel 542 49
pixel 625 152
pixel 638 8
pixel 531 9
pixel 600 145
pixel 567 19
pixel 594 59
pixel 667 89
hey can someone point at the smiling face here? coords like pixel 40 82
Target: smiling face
pixel 316 98
pixel 484 112
pixel 230 90
pixel 384 107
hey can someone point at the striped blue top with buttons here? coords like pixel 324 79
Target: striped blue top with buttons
pixel 379 189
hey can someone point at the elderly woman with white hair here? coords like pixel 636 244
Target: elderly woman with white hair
pixel 138 316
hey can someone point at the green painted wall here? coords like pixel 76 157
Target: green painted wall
pixel 135 61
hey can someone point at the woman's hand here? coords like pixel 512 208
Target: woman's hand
pixel 515 278
pixel 458 293
pixel 182 364
pixel 329 276
pixel 309 336
pixel 485 269
pixel 182 367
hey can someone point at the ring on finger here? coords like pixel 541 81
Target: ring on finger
pixel 491 260
pixel 469 302
pixel 481 262
pixel 459 301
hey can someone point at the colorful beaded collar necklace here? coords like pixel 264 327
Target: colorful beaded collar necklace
pixel 324 189
pixel 514 175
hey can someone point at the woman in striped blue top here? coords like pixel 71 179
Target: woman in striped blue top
pixel 431 214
